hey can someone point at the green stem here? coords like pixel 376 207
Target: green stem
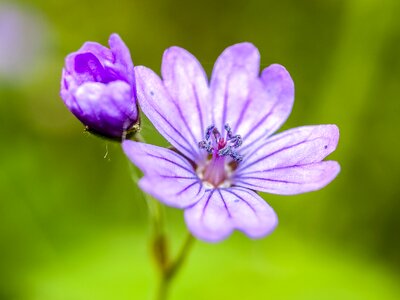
pixel 172 269
pixel 156 213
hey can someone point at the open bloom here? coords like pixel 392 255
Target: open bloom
pixel 98 87
pixel 224 151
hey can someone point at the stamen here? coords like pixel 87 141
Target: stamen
pixel 206 145
pixel 236 157
pixel 216 134
pixel 217 171
pixel 237 141
pixel 225 151
pixel 228 130
pixel 215 143
pixel 208 131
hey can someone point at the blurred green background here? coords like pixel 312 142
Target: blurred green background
pixel 72 224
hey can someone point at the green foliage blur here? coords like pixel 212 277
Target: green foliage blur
pixel 73 225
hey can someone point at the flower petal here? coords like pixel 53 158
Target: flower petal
pixel 168 176
pixel 120 50
pixel 105 108
pixel 165 114
pixel 220 211
pixel 101 52
pixel 108 64
pixel 255 107
pixel 291 180
pixel 266 108
pixel 122 64
pixel 231 81
pixel 185 80
pixel 290 162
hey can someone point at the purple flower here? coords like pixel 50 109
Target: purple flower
pixel 98 87
pixel 222 133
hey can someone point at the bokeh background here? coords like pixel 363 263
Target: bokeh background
pixel 73 225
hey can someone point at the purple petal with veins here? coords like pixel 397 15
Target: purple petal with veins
pixel 220 211
pixel 168 176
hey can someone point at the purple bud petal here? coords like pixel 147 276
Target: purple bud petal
pixel 98 87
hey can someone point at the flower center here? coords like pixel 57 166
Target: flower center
pixel 223 156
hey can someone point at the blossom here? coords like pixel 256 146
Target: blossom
pixel 224 150
pixel 98 87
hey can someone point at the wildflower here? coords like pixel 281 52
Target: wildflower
pixel 224 147
pixel 98 87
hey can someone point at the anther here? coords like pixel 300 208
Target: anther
pixel 208 131
pixel 228 130
pixel 225 151
pixel 236 141
pixel 222 146
pixel 216 134
pixel 206 145
pixel 236 157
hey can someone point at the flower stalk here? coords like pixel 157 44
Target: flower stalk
pixel 169 273
pixel 167 267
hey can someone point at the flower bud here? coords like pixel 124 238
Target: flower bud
pixel 98 87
